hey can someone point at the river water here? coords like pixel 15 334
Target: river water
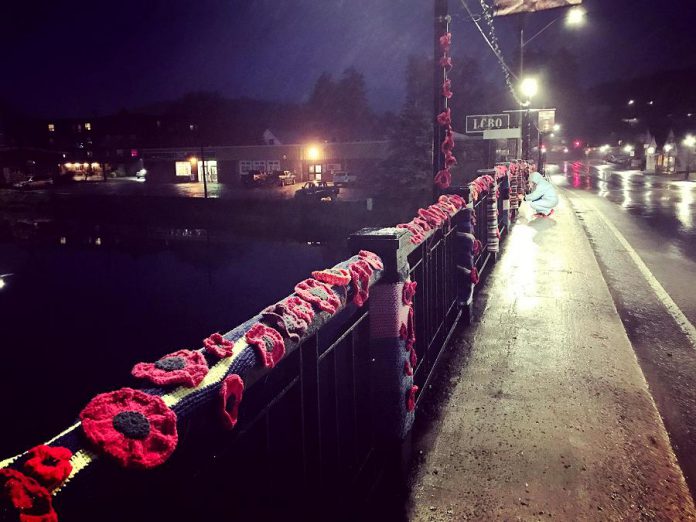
pixel 83 304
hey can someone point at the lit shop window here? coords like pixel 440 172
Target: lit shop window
pixel 51 127
pixel 183 168
pixel 244 166
pixel 88 126
pixel 315 169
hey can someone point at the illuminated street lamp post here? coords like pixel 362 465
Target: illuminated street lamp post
pixel 689 142
pixel 528 88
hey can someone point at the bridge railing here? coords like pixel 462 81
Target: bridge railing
pixel 318 423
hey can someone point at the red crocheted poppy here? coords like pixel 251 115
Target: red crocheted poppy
pixel 421 223
pixel 447 89
pixel 408 369
pixel 218 346
pixel 456 200
pixel 445 118
pixel 408 292
pixel 446 41
pixel 136 429
pixel 360 272
pixel 184 367
pixel 268 343
pixel 450 160
pixel 413 358
pixel 231 393
pixel 319 294
pixel 372 259
pixel 22 498
pixel 477 247
pixel 411 398
pixel 411 326
pixel 281 317
pixel 446 62
pixel 443 179
pixel 474 275
pixel 49 465
pixel 434 219
pixel 448 142
pixel 299 308
pixel 417 232
pixel 332 276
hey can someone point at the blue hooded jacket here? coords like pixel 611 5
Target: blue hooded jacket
pixel 544 191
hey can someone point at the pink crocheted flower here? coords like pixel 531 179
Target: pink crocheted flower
pixel 474 276
pixel 218 346
pixel 136 429
pixel 299 308
pixel 447 143
pixel 446 62
pixel 360 272
pixel 332 276
pixel 231 393
pixel 184 367
pixel 411 398
pixel 447 89
pixel 445 42
pixel 319 294
pixel 408 369
pixel 268 343
pixel 445 118
pixel 409 292
pixel 443 179
pixel 413 357
pixel 372 259
pixel 417 233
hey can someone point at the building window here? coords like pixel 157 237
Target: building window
pixel 51 127
pixel 259 165
pixel 273 165
pixel 183 169
pixel 315 169
pixel 88 126
pixel 134 153
pixel 244 166
pixel 209 169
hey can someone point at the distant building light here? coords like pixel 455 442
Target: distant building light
pixel 631 102
pixel 134 153
pixel 651 150
pixel 313 153
pixel 690 140
pixel 628 148
pixel 88 126
pixel 193 160
pixel 51 127
pixel 650 102
pixel 667 147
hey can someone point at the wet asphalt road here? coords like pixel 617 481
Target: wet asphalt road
pixel 643 231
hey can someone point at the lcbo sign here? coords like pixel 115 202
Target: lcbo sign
pixel 478 123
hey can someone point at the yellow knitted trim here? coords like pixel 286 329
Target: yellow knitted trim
pixel 80 460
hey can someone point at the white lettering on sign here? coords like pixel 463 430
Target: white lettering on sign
pixel 484 122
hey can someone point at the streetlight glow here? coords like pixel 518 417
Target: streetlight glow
pixel 313 153
pixel 576 17
pixel 667 147
pixel 529 88
pixel 628 148
pixel 557 127
pixel 631 102
pixel 690 140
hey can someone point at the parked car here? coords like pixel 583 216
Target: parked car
pixel 317 190
pixel 254 178
pixel 33 183
pixel 285 177
pixel 621 160
pixel 342 178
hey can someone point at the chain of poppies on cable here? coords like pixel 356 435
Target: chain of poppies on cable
pixel 267 342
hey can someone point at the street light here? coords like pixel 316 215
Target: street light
pixel 529 88
pixel 556 127
pixel 575 17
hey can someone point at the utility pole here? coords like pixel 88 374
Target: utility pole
pixel 201 165
pixel 439 75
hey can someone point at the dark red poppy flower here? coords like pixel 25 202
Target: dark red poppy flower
pixel 332 276
pixel 408 369
pixel 372 259
pixel 474 275
pixel 299 308
pixel 136 429
pixel 456 200
pixel 446 41
pixel 218 346
pixel 411 328
pixel 422 223
pixel 319 294
pixel 478 246
pixel 413 358
pixel 411 398
pixel 446 62
pixel 447 89
pixel 49 465
pixel 24 499
pixel 450 160
pixel 268 343
pixel 417 233
pixel 231 393
pixel 445 118
pixel 360 272
pixel 433 219
pixel 185 367
pixel 447 143
pixel 408 292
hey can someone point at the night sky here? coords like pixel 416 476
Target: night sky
pixel 91 57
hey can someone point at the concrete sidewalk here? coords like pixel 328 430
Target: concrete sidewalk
pixel 551 417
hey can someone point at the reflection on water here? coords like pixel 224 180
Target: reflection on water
pixel 86 302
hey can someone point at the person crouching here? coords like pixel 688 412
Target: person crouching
pixel 543 198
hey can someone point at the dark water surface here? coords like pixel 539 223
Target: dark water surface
pixel 83 304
